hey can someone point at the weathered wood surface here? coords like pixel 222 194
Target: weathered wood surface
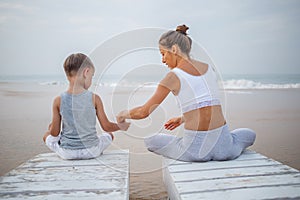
pixel 46 176
pixel 251 176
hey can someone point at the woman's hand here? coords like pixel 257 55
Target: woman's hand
pixel 123 125
pixel 173 123
pixel 122 116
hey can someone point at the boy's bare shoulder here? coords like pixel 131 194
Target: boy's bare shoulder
pixel 97 100
pixel 96 97
pixel 57 100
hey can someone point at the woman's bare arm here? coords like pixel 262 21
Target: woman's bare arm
pixel 162 91
pixel 144 111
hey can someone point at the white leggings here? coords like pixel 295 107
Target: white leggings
pixel 69 154
pixel 217 144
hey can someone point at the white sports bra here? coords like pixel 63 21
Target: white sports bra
pixel 197 91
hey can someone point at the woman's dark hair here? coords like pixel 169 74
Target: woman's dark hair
pixel 178 37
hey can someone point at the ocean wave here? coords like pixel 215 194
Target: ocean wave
pixel 240 84
pixel 233 84
pixel 52 83
pixel 130 85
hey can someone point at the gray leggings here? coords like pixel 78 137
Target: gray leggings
pixel 217 144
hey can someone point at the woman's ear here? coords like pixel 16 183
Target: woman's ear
pixel 174 49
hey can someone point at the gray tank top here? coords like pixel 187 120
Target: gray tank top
pixel 78 121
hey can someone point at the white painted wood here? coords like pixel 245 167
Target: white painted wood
pixel 170 185
pixel 63 185
pixel 247 155
pixel 55 173
pixel 53 160
pixel 234 172
pixel 275 192
pixel 46 176
pixel 251 176
pixel 237 183
pixel 70 195
pixel 221 165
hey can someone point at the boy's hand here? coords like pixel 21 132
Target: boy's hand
pixel 122 116
pixel 124 125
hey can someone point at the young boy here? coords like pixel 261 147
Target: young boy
pixel 72 132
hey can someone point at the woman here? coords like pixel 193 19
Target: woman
pixel 206 134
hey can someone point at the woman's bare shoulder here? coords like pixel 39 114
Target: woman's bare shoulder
pixel 200 66
pixel 170 81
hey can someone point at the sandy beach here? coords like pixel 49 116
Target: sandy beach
pixel 26 113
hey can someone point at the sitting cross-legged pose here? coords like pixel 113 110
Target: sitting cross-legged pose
pixel 72 133
pixel 206 133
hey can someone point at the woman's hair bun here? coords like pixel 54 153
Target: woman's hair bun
pixel 182 29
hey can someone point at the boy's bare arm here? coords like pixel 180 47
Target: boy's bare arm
pixel 104 122
pixel 54 127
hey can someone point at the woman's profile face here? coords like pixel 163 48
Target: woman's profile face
pixel 168 57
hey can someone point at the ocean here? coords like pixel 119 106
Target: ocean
pixel 229 81
pixel 261 81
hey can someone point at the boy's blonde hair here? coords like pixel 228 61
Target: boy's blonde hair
pixel 75 62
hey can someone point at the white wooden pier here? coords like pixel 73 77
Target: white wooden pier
pixel 46 176
pixel 251 176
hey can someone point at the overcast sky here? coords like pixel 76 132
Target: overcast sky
pixel 241 36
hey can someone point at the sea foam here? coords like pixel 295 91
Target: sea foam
pixel 250 84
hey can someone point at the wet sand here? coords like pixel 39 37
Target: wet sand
pixel 26 113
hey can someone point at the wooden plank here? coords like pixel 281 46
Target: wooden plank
pixel 170 185
pixel 46 176
pixel 256 175
pixel 55 173
pixel 69 195
pixel 55 161
pixel 272 192
pixel 63 185
pixel 237 183
pixel 234 172
pixel 248 155
pixel 221 165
